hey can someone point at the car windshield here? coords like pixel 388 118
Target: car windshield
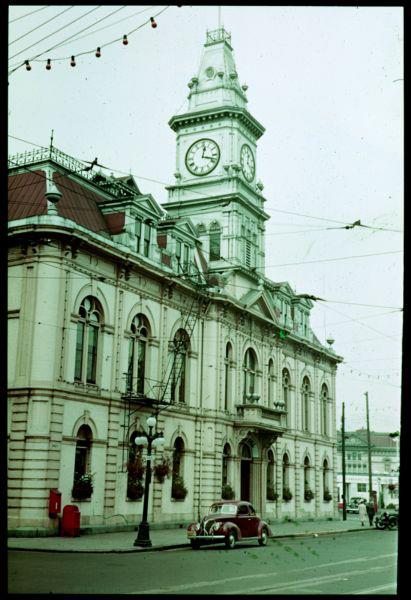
pixel 223 509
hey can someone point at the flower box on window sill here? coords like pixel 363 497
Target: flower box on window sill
pixel 134 500
pixel 81 499
pixel 177 499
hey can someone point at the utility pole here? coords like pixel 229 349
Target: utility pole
pixel 343 462
pixel 369 448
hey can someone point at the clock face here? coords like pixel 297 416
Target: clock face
pixel 202 157
pixel 247 162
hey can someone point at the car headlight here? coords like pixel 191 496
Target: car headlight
pixel 216 526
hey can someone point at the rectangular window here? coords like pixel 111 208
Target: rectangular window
pixel 186 255
pixel 146 245
pixel 354 456
pixel 138 234
pixel 79 352
pixel 361 487
pixel 92 354
pixel 215 245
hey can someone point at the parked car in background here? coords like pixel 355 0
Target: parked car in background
pixel 229 522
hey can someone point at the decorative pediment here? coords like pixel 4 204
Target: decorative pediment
pixel 354 440
pixel 258 301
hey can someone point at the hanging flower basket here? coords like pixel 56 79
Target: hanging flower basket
pixel 227 492
pixel 308 495
pixel 178 490
pixel 287 495
pixel 162 470
pixel 327 496
pixel 83 487
pixel 391 487
pixel 271 494
pixel 136 469
pixel 135 489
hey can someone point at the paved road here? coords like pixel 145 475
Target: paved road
pixel 350 563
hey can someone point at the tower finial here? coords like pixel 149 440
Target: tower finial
pixel 51 139
pixel 219 17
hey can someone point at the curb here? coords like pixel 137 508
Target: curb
pixel 181 545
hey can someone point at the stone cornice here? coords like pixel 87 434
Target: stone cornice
pixel 178 121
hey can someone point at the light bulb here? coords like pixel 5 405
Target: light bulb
pixel 153 23
pixel 73 61
pixel 151 421
pixel 28 67
pixel 48 65
pixel 125 40
pixel 98 52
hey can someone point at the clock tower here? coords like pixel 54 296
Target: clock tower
pixel 215 178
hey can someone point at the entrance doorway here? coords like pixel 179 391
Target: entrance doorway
pixel 246 458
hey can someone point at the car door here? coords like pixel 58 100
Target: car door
pixel 244 520
pixel 253 522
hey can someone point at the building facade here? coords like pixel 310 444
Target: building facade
pixel 385 466
pixel 120 307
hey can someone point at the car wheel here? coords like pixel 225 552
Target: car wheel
pixel 230 540
pixel 379 525
pixel 194 544
pixel 264 538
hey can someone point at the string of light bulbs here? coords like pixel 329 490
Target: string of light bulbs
pixel 96 50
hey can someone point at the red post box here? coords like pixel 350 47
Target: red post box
pixel 70 522
pixel 54 503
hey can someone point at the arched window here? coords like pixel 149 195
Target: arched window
pixel 181 344
pixel 325 477
pixel 307 475
pixel 178 460
pixel 305 404
pixel 270 382
pixel 227 375
pixel 249 368
pixel 226 456
pixel 323 402
pixel 137 354
pixel 270 490
pixel 215 241
pixel 88 328
pixel 286 474
pixel 83 450
pixel 286 393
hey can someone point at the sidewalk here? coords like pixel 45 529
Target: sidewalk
pixel 165 539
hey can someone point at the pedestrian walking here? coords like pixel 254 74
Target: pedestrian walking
pixel 370 512
pixel 362 511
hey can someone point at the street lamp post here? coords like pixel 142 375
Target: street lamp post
pixel 151 440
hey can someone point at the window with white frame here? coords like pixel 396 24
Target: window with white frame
pixel 305 401
pixel 137 354
pixel 87 339
pixel 249 369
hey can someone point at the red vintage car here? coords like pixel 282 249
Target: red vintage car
pixel 229 521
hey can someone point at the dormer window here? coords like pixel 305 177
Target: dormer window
pixel 138 234
pixel 146 239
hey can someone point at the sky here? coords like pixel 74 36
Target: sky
pixel 326 83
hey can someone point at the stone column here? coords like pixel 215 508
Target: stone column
pixel 297 479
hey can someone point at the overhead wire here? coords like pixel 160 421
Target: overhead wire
pixel 150 7
pixel 41 25
pixel 30 13
pixel 51 34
